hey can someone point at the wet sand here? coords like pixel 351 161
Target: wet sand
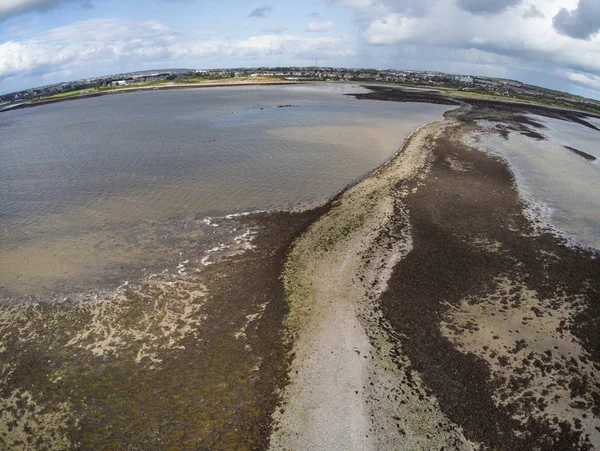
pixel 419 309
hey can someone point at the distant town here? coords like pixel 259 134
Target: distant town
pixel 453 84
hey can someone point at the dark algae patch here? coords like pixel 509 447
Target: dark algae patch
pixel 482 107
pixel 499 320
pixel 494 321
pixel 399 95
pixel 189 361
pixel 581 153
pixel 477 268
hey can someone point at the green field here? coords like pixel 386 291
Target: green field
pixel 62 95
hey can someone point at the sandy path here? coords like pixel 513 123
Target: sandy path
pixel 348 387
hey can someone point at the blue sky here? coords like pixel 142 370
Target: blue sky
pixel 552 43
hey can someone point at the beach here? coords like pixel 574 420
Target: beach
pixel 440 318
pixel 421 308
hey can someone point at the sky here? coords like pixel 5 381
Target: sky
pixel 552 43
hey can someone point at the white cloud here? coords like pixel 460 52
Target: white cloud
pixel 288 46
pixel 9 8
pixel 106 44
pixel 581 22
pixel 318 27
pixel 483 7
pixel 97 41
pixel 14 30
pixel 520 30
pixel 532 12
pixel 592 81
pixel 358 3
pixel 508 38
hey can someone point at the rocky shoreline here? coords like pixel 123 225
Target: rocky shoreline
pixel 419 309
pixel 494 317
pixel 187 359
pixel 477 330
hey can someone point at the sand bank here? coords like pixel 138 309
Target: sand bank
pixel 427 311
pixel 350 389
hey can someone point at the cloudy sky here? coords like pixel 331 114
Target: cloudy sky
pixel 552 43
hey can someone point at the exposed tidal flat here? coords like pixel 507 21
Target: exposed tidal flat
pixel 423 307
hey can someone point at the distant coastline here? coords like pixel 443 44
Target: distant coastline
pixel 413 298
pixel 410 280
pixel 145 88
pixel 380 91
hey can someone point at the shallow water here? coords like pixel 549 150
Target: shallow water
pixel 594 120
pixel 561 188
pixel 92 187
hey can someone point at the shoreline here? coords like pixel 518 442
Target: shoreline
pixel 484 310
pixel 380 91
pixel 144 88
pixel 430 295
pixel 397 94
pixel 139 337
pixel 403 312
pixel 201 345
pixel 343 372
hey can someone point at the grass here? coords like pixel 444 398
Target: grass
pixel 200 80
pixel 135 85
pixel 539 100
pixel 62 95
pixel 178 81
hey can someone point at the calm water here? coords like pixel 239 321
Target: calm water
pixel 562 188
pixel 93 186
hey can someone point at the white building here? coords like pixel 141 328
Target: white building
pixel 464 79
